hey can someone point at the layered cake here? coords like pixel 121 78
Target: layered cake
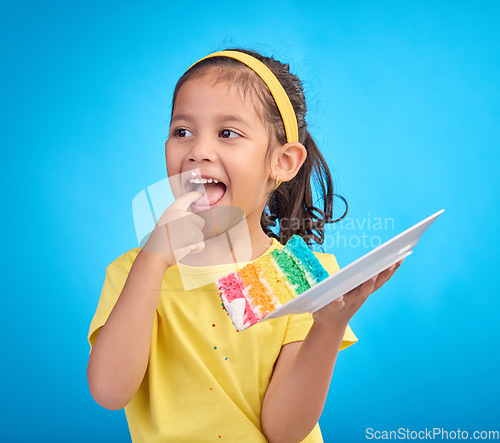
pixel 262 286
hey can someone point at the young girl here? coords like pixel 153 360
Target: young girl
pixel 172 357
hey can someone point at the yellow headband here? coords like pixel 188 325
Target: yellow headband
pixel 280 96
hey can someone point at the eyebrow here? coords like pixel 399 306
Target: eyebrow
pixel 221 118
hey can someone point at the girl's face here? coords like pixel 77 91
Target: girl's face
pixel 215 129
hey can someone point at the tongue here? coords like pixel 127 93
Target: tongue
pixel 214 192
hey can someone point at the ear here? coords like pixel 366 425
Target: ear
pixel 287 161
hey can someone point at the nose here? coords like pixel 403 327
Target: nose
pixel 202 150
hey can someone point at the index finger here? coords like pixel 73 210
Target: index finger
pixel 184 201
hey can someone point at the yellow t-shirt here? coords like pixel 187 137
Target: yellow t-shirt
pixel 205 381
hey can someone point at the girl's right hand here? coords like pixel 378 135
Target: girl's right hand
pixel 178 232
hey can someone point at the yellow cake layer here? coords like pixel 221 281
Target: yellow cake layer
pixel 275 279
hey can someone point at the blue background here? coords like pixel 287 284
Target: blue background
pixel 404 101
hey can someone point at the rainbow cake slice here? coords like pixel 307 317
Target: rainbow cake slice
pixel 262 286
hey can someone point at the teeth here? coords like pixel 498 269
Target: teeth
pixel 203 180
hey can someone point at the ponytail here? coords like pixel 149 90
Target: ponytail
pixel 291 205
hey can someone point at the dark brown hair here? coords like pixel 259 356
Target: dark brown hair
pixel 290 207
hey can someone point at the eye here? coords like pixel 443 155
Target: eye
pixel 227 133
pixel 182 132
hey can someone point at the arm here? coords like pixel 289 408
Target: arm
pixel 120 355
pixel 297 392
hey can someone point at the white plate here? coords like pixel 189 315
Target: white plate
pixel 357 272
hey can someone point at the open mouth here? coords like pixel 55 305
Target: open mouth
pixel 212 188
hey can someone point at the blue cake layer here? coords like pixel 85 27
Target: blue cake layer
pixel 299 248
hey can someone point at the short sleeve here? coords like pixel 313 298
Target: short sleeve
pixel 299 324
pixel 298 327
pixel 116 276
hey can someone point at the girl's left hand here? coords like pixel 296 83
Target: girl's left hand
pixel 343 308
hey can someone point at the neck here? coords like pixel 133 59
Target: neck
pixel 241 243
pixel 260 243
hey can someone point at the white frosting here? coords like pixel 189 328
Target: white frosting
pixel 236 310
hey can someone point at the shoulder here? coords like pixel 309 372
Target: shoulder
pixel 125 260
pixel 116 275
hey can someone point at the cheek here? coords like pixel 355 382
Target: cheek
pixel 172 160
